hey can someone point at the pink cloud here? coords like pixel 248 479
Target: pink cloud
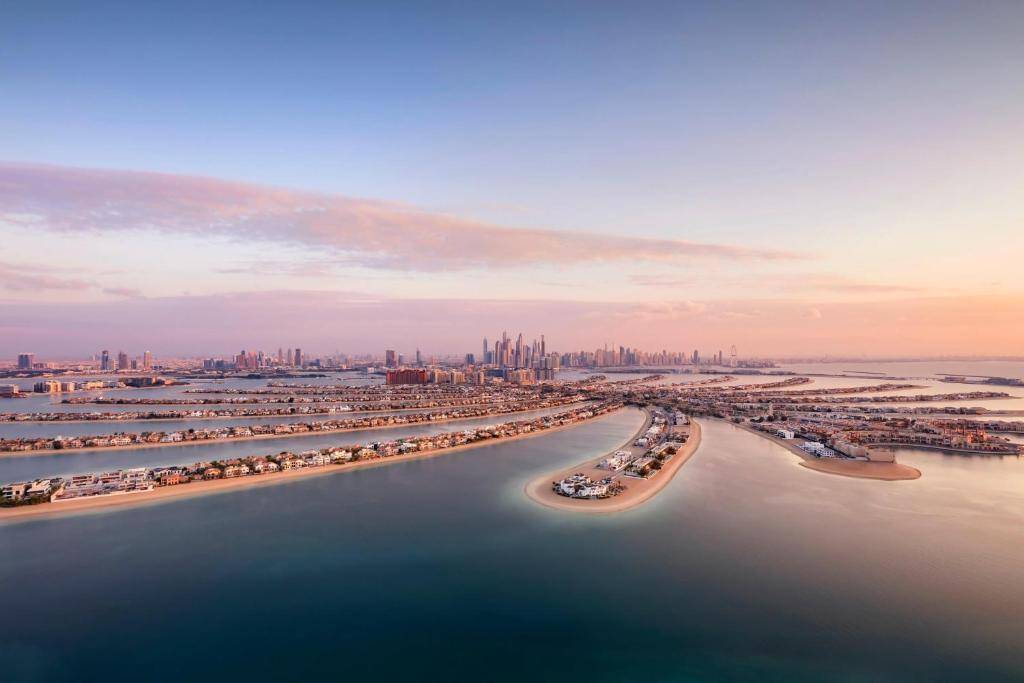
pixel 371 233
pixel 844 285
pixel 23 277
pixel 796 282
pixel 128 292
pixel 657 280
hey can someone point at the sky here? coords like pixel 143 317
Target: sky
pixel 794 178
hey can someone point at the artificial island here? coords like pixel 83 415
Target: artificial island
pixel 848 431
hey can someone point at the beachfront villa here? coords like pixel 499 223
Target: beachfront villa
pixel 642 467
pixel 818 450
pixel 652 434
pixel 580 485
pixel 135 480
pixel 15 491
pixel 616 462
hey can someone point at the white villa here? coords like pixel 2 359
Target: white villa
pixel 818 449
pixel 616 462
pixel 581 486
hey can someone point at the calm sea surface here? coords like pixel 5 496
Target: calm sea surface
pixel 746 567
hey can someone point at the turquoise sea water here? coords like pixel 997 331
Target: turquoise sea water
pixel 746 567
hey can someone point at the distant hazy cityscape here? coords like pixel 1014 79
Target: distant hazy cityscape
pixel 504 354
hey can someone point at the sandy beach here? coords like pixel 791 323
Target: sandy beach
pixel 859 469
pixel 884 471
pixel 200 488
pixel 637 490
pixel 260 437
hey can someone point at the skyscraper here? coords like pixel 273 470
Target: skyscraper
pixel 298 357
pixel 147 360
pixel 105 361
pixel 390 358
pixel 122 360
pixel 26 360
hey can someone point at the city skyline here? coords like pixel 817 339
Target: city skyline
pixel 521 353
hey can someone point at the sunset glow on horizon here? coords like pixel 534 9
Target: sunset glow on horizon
pixel 792 183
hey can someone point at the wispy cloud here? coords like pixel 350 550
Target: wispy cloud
pixel 371 233
pixel 791 282
pixel 656 280
pixel 127 292
pixel 305 268
pixel 40 278
pixel 844 285
pixel 24 277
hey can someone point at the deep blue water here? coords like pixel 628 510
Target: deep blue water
pixel 746 567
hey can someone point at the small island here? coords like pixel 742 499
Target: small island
pixel 628 476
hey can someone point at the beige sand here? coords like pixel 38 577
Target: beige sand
pixel 882 471
pixel 637 490
pixel 885 471
pixel 200 488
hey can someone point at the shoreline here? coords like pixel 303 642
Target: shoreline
pixel 951 451
pixel 856 469
pixel 187 418
pixel 638 491
pixel 216 486
pixel 257 437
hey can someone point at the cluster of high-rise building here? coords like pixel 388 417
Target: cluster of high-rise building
pixel 520 361
pixel 508 354
pixel 626 356
pixel 394 359
pixel 122 362
pixel 258 360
